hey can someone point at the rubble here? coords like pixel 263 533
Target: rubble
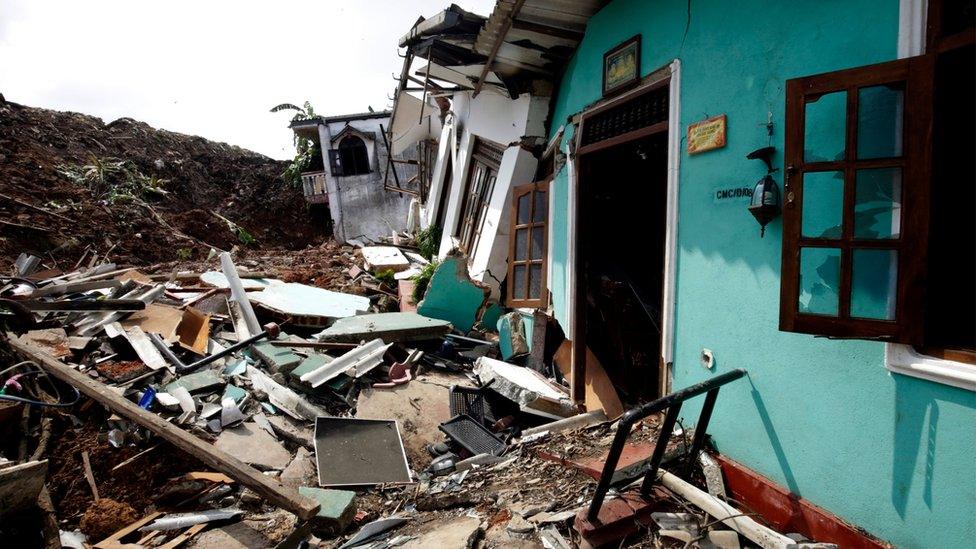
pixel 380 415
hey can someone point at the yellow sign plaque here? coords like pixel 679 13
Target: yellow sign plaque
pixel 706 135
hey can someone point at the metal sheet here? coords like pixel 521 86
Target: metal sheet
pixel 359 452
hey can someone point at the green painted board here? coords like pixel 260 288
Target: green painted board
pixel 452 296
pixel 391 327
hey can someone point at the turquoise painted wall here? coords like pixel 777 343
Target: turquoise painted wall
pixel 892 454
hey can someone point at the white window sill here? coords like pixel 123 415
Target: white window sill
pixel 905 360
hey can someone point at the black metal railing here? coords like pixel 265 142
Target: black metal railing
pixel 672 403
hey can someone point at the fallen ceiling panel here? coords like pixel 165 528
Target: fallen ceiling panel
pixel 359 452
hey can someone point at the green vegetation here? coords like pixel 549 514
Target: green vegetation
pixel 422 279
pixel 114 180
pixel 429 241
pixel 307 151
pixel 386 277
pixel 184 254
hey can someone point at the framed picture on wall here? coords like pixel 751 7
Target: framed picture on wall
pixel 621 66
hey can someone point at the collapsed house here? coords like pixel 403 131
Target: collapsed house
pixel 574 369
pixel 354 171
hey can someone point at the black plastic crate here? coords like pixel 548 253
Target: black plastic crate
pixel 470 401
pixel 472 435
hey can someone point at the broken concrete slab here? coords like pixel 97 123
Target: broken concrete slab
pixel 197 382
pixel 337 507
pixel 511 335
pixel 292 430
pixel 385 258
pixel 419 426
pixel 354 363
pixel 284 398
pixel 530 390
pixel 461 532
pixel 279 359
pixel 452 295
pixel 253 445
pixel 390 327
pixel 311 363
pixel 308 305
pixel 301 470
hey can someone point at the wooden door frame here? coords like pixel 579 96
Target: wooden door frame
pixel 666 76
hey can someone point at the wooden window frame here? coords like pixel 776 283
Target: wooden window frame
pixel 542 300
pixel 475 200
pixel 912 242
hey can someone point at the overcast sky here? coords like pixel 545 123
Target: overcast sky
pixel 212 68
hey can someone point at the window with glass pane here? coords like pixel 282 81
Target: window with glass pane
pixel 855 157
pixel 477 195
pixel 527 252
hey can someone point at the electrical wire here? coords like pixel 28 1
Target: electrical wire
pixel 33 402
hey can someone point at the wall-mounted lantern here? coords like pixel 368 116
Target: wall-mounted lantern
pixel 764 205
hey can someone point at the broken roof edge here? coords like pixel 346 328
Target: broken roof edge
pixel 317 120
pixel 451 20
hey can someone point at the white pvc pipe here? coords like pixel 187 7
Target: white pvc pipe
pixel 238 294
pixel 730 516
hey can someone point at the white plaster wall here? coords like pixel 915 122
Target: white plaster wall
pixel 455 194
pixel 505 121
pixel 360 206
pixel 489 262
pixel 439 178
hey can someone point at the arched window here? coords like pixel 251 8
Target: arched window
pixel 353 156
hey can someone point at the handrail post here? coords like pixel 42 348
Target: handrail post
pixel 698 442
pixel 609 466
pixel 660 447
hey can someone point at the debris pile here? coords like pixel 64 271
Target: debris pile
pixel 214 402
pixel 73 187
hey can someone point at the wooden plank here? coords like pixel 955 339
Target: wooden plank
pixel 276 493
pixel 20 485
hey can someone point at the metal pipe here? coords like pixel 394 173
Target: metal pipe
pixel 271 330
pixel 167 353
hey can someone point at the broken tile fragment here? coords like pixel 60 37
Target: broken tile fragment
pixel 197 382
pixel 279 359
pixel 301 470
pixel 337 507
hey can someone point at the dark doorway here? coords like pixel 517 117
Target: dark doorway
pixel 622 241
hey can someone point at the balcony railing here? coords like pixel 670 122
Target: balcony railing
pixel 313 183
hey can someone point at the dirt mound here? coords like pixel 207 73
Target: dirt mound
pixel 71 184
pixel 105 517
